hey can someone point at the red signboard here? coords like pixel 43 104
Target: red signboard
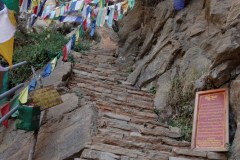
pixel 210 127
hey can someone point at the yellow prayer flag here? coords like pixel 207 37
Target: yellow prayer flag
pixel 77 35
pixel 125 6
pixel 53 63
pixel 23 97
pixel 6 50
pixel 12 18
pixel 57 14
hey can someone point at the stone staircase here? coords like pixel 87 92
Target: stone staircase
pixel 127 125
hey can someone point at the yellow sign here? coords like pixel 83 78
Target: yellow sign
pixel 46 97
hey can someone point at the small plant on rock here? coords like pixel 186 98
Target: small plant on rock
pixel 153 90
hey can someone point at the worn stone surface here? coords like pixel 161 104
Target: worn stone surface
pixel 190 152
pixel 236 145
pixel 214 155
pixel 65 132
pixel 234 98
pixel 176 158
pixel 14 144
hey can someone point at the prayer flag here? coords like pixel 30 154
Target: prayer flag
pixel 29 118
pixel 24 6
pixel 47 70
pixel 7 27
pixel 110 17
pixel 32 84
pixel 73 41
pixel 85 25
pixel 12 4
pixel 131 3
pixel 95 1
pixel 179 4
pixel 14 103
pixel 77 35
pixel 4 110
pixel 65 54
pixel 1 5
pixel 99 16
pixel 79 5
pixel 23 97
pixel 57 12
pixel 81 31
pixel 93 28
pixel 4 85
pixel 53 63
pixel 73 6
pixel 52 14
pixel 125 6
pixel 6 50
pixel 87 1
pixel 104 14
pixel 62 11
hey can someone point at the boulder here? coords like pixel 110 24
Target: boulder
pixel 66 127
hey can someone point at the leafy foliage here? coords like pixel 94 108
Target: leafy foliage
pixel 153 90
pixel 82 46
pixel 37 50
pixel 182 106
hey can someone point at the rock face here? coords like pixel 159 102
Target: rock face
pixel 173 53
pixel 199 46
pixel 66 129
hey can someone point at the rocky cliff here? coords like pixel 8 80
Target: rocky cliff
pixel 108 112
pixel 179 52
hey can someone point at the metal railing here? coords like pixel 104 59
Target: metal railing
pixel 11 91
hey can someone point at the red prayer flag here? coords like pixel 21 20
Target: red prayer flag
pixel 85 25
pixel 35 9
pixel 87 1
pixel 65 54
pixel 20 4
pixel 4 110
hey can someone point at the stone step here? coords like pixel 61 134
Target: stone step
pixel 115 150
pixel 95 154
pixel 79 73
pixel 86 67
pixel 143 130
pixel 125 110
pixel 132 144
pixel 115 99
pixel 100 72
pixel 202 154
pixel 114 86
pixel 95 59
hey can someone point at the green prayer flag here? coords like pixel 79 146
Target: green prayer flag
pixel 81 31
pixel 14 103
pixel 102 3
pixel 29 118
pixel 3 85
pixel 120 16
pixel 131 3
pixel 12 4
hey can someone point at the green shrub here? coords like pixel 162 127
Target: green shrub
pixel 182 106
pixel 37 50
pixel 153 90
pixel 82 46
